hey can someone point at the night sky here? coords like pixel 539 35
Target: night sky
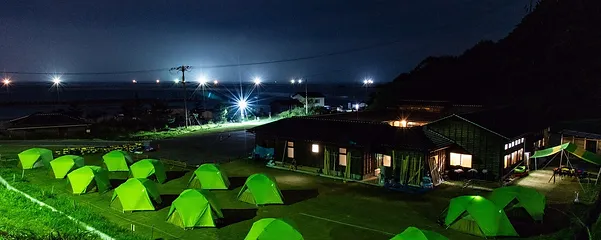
pixel 105 36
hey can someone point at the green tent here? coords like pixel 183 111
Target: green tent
pixel 64 164
pixel 260 189
pixel 137 194
pixel 117 161
pixel 209 176
pixel 479 216
pixel 35 157
pixel 194 208
pixel 413 233
pixel 87 178
pixel 146 168
pixel 272 229
pixel 517 197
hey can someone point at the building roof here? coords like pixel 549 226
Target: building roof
pixel 508 121
pixel 386 115
pixel 45 120
pixel 347 132
pixel 310 94
pixel 580 134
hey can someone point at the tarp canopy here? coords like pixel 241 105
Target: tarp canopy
pixel 86 178
pixel 512 197
pixel 146 168
pixel 209 176
pixel 194 208
pixel 35 157
pixel 260 189
pixel 413 233
pixel 64 164
pixel 137 194
pixel 571 148
pixel 272 229
pixel 117 160
pixel 479 216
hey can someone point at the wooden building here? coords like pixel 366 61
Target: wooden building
pixel 356 150
pixel 494 140
pixel 585 140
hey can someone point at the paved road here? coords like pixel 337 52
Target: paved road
pixel 196 149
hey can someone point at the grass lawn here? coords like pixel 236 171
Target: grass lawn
pixel 321 208
pixel 203 129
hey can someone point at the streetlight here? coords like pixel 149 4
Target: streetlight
pixel 257 80
pixel 203 82
pixel 56 80
pixel 158 81
pixel 366 83
pixel 134 81
pixel 300 80
pixel 176 81
pixel 242 105
pixel 6 83
pixel 215 82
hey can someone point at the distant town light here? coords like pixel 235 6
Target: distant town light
pixel 134 81
pixel 292 81
pixel 6 81
pixel 300 81
pixel 158 81
pixel 403 123
pixel 176 80
pixel 257 80
pixel 215 82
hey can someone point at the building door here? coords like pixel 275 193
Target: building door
pixel 591 146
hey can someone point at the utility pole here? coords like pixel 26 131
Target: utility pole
pixel 306 100
pixel 183 69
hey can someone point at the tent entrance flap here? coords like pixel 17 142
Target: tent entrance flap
pixel 571 148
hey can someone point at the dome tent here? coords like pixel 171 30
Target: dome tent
pixel 194 208
pixel 512 198
pixel 273 228
pixel 117 161
pixel 209 176
pixel 64 164
pixel 413 233
pixel 260 189
pixel 87 178
pixel 146 168
pixel 478 216
pixel 35 157
pixel 137 194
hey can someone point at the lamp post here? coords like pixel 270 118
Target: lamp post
pixel 257 81
pixel 203 82
pixel 299 81
pixel 6 83
pixel 366 83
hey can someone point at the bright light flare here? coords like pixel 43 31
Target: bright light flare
pixel 368 81
pixel 242 104
pixel 134 81
pixel 202 80
pixel 176 80
pixel 300 81
pixel 215 82
pixel 6 81
pixel 56 80
pixel 292 81
pixel 257 80
pixel 158 81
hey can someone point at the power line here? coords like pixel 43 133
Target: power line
pixel 348 51
pixel 307 57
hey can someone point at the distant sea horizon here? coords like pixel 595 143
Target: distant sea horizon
pixel 337 94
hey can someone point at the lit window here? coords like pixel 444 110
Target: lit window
pixel 506 146
pixel 403 123
pixel 386 161
pixel 464 160
pixel 290 150
pixel 315 148
pixel 522 141
pixel 397 123
pixel 342 156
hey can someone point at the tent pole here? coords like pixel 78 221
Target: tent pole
pixel 550 161
pixel 561 157
pixel 578 178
